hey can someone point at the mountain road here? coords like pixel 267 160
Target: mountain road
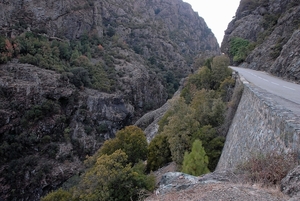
pixel 288 91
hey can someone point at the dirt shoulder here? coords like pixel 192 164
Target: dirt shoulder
pixel 222 192
pixel 215 186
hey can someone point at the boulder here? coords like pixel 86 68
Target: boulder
pixel 290 185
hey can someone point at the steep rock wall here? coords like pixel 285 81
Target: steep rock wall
pixel 142 38
pixel 272 26
pixel 260 125
pixel 48 127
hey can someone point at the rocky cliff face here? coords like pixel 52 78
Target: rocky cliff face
pixel 47 125
pixel 273 29
pixel 154 35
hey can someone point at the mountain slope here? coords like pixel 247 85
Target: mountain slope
pixel 97 67
pixel 271 31
pixel 164 36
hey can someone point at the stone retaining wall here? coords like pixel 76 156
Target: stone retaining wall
pixel 261 124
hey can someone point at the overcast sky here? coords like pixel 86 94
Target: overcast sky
pixel 216 13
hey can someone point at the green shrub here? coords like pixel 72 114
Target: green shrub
pixel 113 178
pixel 239 49
pixel 226 89
pixel 269 21
pixel 110 32
pixel 276 49
pixel 209 108
pixel 165 120
pixel 46 139
pixel 37 112
pixel 51 150
pixel 102 128
pixel 58 195
pixel 80 77
pixel 159 153
pixel 202 79
pixel 219 71
pixel 131 140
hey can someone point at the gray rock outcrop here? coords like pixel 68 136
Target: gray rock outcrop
pixel 143 38
pixel 176 181
pixel 48 127
pixel 290 185
pixel 218 185
pixel 273 28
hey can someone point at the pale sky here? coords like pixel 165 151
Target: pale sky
pixel 216 13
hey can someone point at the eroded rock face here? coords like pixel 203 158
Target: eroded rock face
pixel 48 127
pixel 176 181
pixel 162 34
pixel 158 23
pixel 273 27
pixel 290 184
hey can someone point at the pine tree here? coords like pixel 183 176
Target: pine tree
pixel 212 144
pixel 195 163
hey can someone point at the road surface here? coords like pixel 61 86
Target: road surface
pixel 275 85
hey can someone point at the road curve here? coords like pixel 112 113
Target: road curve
pixel 287 90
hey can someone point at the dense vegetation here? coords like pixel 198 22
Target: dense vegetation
pixel 88 61
pixel 115 172
pixel 71 58
pixel 240 48
pixel 188 134
pixel 196 115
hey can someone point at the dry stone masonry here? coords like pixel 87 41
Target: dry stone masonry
pixel 260 125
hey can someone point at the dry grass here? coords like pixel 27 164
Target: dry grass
pixel 268 169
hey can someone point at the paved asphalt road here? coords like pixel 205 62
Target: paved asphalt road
pixel 275 85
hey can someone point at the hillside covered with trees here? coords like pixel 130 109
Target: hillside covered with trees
pixel 191 134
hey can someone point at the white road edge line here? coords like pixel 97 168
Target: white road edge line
pixel 289 88
pixel 275 83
